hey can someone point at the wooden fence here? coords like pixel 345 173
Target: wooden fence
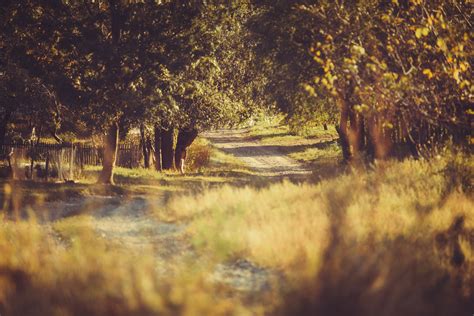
pixel 63 161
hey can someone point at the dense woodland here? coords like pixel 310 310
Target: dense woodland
pixel 394 77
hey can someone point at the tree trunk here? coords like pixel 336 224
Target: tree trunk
pixel 167 139
pixel 381 139
pixel 185 139
pixel 356 135
pixel 342 131
pixel 145 148
pixel 157 132
pixel 109 155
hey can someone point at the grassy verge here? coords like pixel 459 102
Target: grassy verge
pixel 207 167
pixel 397 239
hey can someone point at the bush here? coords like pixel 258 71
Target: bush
pixel 199 155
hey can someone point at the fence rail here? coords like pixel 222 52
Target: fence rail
pixel 64 160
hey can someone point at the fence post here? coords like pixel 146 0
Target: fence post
pixel 81 155
pixel 71 163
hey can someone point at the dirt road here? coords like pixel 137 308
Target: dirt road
pixel 129 222
pixel 264 160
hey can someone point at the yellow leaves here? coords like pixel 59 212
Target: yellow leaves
pixel 391 76
pixel 395 2
pixel 361 108
pixel 372 67
pixel 357 50
pixel 427 72
pixel 348 61
pixel 318 60
pixel 310 90
pixel 463 66
pixel 329 66
pixel 464 84
pixel 456 75
pixel 430 20
pixel 442 44
pixel 77 82
pixel 422 31
pixel 387 125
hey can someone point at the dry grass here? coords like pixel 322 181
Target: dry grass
pixel 66 268
pixel 78 274
pixel 392 241
pixel 396 240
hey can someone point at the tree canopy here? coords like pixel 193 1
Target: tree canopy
pixel 387 73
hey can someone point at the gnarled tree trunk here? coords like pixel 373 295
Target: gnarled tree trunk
pixel 110 154
pixel 167 140
pixel 185 139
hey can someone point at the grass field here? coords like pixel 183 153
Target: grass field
pixel 396 239
pixel 399 239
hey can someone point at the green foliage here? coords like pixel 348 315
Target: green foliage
pixel 165 63
pixel 27 101
pixel 403 67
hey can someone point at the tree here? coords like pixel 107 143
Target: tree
pixel 398 71
pixel 28 102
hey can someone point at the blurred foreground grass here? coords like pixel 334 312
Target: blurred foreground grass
pixel 398 240
pixel 82 275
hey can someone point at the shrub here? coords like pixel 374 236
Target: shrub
pixel 199 155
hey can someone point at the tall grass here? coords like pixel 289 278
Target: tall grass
pixel 395 240
pixel 78 274
pixel 398 240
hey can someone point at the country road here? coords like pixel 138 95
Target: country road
pixel 129 222
pixel 264 160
